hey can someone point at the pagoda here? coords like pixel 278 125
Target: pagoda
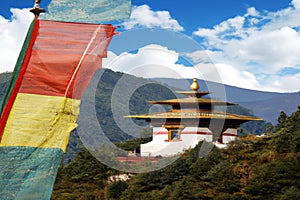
pixel 192 119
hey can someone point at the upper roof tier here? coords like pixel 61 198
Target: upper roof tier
pixel 193 93
pixel 192 101
pixel 193 98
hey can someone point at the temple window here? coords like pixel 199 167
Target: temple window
pixel 174 134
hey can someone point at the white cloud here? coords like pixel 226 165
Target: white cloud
pixel 143 16
pixel 226 73
pixel 151 61
pixel 204 56
pixel 282 83
pixel 156 61
pixel 275 49
pixel 296 4
pixel 110 57
pixel 12 35
pixel 252 12
pixel 249 50
pixel 218 36
pixel 261 44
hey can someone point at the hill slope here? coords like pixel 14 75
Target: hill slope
pixel 250 168
pixel 266 105
pixel 110 85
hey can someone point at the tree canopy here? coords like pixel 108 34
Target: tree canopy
pixel 249 168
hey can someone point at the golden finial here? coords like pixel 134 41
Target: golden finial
pixel 195 86
pixel 36 10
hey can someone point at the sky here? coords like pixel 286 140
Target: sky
pixel 253 44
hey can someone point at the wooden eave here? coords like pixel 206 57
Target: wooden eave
pixel 194 115
pixel 193 93
pixel 199 101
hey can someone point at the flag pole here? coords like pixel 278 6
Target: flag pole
pixel 36 10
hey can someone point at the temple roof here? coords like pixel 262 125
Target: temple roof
pixel 201 108
pixel 193 97
pixel 193 93
pixel 191 100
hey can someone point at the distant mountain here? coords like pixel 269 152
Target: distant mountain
pixel 142 90
pixel 117 86
pixel 4 82
pixel 266 105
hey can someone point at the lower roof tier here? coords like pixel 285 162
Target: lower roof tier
pixel 193 115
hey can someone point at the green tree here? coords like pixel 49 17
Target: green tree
pixel 272 178
pixel 282 117
pixel 114 190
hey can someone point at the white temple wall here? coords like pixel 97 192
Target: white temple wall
pixel 161 149
pixel 189 138
pixel 226 139
pixel 159 134
pixel 231 131
pixel 160 137
pixel 229 135
pixel 196 129
pixel 159 129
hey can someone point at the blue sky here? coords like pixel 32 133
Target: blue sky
pixel 207 13
pixel 191 13
pixel 252 44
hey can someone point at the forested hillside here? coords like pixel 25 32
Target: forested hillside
pixel 106 81
pixel 250 168
pixel 4 82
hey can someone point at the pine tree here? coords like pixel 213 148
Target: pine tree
pixel 282 117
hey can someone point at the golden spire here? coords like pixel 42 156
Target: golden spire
pixel 36 10
pixel 195 86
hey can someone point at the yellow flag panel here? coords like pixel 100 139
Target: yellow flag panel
pixel 41 121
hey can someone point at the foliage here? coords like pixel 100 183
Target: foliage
pixel 83 178
pixel 4 82
pixel 131 145
pixel 108 82
pixel 282 117
pixel 87 178
pixel 114 190
pixel 252 127
pixel 272 178
pixel 249 168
